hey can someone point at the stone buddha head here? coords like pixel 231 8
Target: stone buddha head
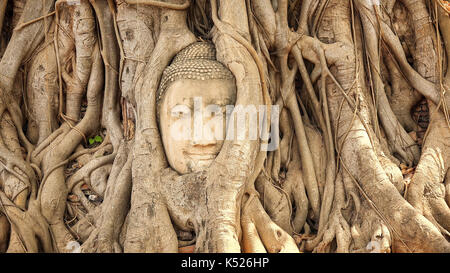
pixel 191 103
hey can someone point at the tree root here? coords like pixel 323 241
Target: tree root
pixel 261 234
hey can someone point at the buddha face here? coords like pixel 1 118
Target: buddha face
pixel 192 147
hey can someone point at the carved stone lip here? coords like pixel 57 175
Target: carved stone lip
pixel 201 156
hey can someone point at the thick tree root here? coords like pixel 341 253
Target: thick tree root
pixel 344 75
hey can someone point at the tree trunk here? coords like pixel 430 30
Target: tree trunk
pixel 351 152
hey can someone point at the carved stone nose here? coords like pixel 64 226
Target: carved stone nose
pixel 204 141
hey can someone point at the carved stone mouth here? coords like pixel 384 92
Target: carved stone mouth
pixel 201 156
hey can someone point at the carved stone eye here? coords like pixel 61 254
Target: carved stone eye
pixel 180 111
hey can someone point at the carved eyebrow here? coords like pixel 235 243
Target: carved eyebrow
pixel 189 102
pixel 188 105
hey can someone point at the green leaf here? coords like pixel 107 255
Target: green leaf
pixel 91 141
pixel 98 139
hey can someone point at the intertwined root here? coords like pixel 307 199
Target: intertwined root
pixel 427 190
pixel 261 234
pixel 334 175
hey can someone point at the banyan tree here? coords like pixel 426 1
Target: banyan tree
pixel 224 126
